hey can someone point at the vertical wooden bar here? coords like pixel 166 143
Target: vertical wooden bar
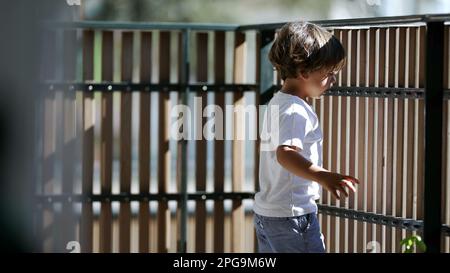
pixel 387 144
pixel 326 164
pixel 421 120
pixel 88 143
pixel 351 131
pixel 163 141
pixel 398 132
pixel 370 132
pixel 258 45
pixel 342 148
pixel 391 202
pixel 106 144
pixel 144 140
pixel 125 142
pixel 409 125
pixel 200 166
pixel 238 153
pixel 360 135
pixel 333 153
pixel 325 196
pixel 377 140
pixel 219 148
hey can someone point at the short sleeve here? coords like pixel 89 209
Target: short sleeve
pixel 293 128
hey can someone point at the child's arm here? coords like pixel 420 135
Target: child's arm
pixel 295 163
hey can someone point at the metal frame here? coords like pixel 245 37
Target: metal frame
pixel 433 93
pixel 433 132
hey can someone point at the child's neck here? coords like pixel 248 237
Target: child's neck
pixel 292 87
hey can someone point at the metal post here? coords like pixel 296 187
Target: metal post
pixel 266 69
pixel 433 134
pixel 184 196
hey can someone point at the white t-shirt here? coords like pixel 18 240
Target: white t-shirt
pixel 283 194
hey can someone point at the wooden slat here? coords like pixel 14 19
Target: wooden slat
pixel 361 134
pixel 331 220
pixel 377 140
pixel 334 160
pixel 390 203
pixel 382 187
pixel 409 125
pixel 125 142
pixel 219 148
pixel 106 146
pixel 371 51
pixel 144 141
pixel 342 236
pixel 421 122
pixel 200 155
pixel 326 121
pixel 163 216
pixel 326 196
pixel 238 153
pixel 179 171
pixel 352 127
pixel 258 44
pixel 88 142
pixel 402 80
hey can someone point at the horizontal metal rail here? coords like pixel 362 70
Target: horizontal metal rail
pixel 392 221
pixel 371 21
pixel 387 20
pixel 353 91
pixel 140 25
pixel 149 87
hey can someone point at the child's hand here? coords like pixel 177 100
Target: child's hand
pixel 335 182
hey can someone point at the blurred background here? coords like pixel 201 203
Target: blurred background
pixel 253 11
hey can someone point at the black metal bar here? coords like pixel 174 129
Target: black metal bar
pixel 355 91
pixel 380 219
pixel 352 91
pixel 434 67
pixel 378 92
pixel 182 244
pixel 386 20
pixel 141 25
pixel 148 87
pixel 266 68
pixel 392 20
pixel 404 223
pixel 145 197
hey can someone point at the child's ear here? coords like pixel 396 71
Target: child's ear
pixel 303 76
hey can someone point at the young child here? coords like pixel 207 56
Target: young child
pixel 291 174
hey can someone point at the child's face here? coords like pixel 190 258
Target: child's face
pixel 318 82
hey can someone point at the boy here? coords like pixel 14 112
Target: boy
pixel 291 174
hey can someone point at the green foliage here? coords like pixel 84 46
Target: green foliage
pixel 409 243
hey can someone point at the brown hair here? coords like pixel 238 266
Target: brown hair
pixel 303 47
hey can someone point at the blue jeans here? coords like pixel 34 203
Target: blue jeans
pixel 297 234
